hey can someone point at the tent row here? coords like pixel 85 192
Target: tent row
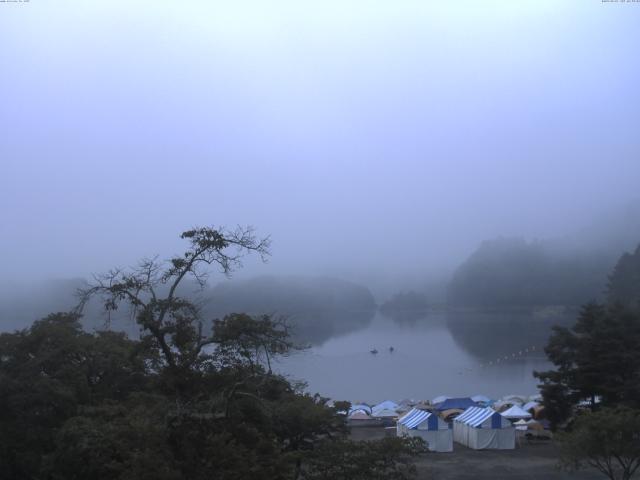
pixel 477 427
pixel 391 409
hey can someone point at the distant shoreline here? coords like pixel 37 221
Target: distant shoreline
pixel 537 310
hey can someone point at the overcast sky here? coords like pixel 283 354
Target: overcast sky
pixel 368 135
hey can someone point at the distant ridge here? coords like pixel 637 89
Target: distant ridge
pixel 568 270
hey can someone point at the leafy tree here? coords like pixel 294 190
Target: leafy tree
pixel 47 373
pixel 386 459
pixel 123 441
pixel 189 399
pixel 624 281
pixel 607 440
pixel 597 357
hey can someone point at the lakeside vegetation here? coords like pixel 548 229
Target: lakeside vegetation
pixel 593 393
pixel 183 401
pixel 194 398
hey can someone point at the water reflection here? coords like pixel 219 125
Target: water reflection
pixel 316 328
pixel 441 353
pixel 489 335
pixel 407 317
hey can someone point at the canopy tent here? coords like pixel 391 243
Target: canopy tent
pixel 502 405
pixel 530 406
pixel 360 418
pixel 359 415
pixel 385 412
pixel 359 410
pixel 515 412
pixel 481 399
pixel 386 405
pixel 515 399
pixel 483 428
pixel 428 426
pixel 360 406
pixel 461 403
pixel 520 425
pixel 440 399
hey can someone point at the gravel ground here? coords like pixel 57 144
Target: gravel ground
pixel 528 462
pixel 535 461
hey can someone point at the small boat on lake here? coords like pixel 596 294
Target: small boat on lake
pixel 374 351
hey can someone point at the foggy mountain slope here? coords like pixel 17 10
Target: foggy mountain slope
pixel 317 307
pixel 569 270
pixel 20 305
pixel 610 233
pixel 290 294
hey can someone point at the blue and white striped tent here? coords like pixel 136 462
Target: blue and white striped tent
pixel 428 426
pixel 482 428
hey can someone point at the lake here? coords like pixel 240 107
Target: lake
pixel 452 353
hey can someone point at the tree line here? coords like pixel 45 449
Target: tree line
pixel 594 390
pixel 189 398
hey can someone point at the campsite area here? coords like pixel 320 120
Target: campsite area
pixel 528 461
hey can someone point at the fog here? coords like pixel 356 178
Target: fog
pixel 379 143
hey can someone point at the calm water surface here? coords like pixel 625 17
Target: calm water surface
pixel 442 354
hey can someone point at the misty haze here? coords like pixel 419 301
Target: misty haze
pixel 395 205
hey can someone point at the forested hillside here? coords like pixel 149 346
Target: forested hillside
pixel 317 307
pixel 572 270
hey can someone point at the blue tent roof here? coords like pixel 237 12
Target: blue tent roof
pixel 461 403
pixel 476 416
pixel 416 417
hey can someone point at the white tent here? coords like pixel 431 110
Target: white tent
pixel 481 399
pixel 428 426
pixel 386 405
pixel 521 425
pixel 529 405
pixel 482 428
pixel 515 412
pixel 439 399
pixel 360 406
pixel 514 399
pixel 359 415
pixel 385 412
